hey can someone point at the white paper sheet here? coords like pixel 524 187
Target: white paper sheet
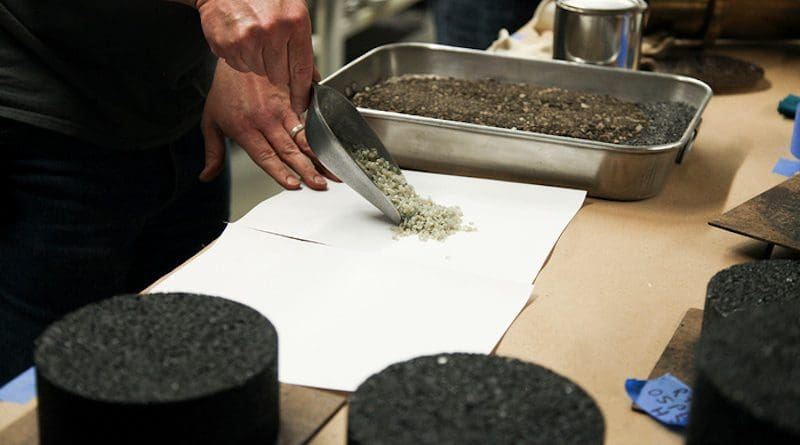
pixel 517 224
pixel 342 315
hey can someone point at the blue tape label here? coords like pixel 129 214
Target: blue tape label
pixel 667 399
pixel 786 167
pixel 20 390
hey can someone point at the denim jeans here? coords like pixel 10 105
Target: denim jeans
pixel 80 223
pixel 476 23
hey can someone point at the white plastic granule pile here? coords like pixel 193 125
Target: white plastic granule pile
pixel 420 216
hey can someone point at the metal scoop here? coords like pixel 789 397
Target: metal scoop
pixel 332 124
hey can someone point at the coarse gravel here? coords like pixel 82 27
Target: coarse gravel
pixel 420 216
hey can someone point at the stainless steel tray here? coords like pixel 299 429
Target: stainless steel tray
pixel 613 171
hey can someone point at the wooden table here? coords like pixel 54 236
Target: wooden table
pixel 624 273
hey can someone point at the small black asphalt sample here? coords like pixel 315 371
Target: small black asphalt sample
pixel 747 389
pixel 745 286
pixel 471 399
pixel 160 368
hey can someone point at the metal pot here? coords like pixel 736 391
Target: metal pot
pixel 599 32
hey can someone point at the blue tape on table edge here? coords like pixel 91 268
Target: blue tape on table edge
pixel 794 146
pixel 635 387
pixel 786 167
pixel 22 389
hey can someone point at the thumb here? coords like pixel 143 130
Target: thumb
pixel 215 153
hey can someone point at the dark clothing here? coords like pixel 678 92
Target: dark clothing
pixel 80 223
pixel 476 23
pixel 100 150
pixel 123 74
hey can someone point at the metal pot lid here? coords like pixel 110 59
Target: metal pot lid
pixel 602 6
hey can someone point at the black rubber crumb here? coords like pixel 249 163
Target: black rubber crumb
pixel 667 122
pixel 748 387
pixel 526 107
pixel 156 348
pixel 745 286
pixel 471 399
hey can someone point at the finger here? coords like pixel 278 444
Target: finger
pixel 214 153
pixel 301 69
pixel 290 153
pixel 262 153
pixel 306 149
pixel 317 76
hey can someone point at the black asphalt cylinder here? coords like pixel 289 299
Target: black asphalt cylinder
pixel 160 368
pixel 745 286
pixel 747 389
pixel 471 399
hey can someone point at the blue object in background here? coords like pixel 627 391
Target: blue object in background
pixel 667 399
pixel 795 144
pixel 788 106
pixel 788 167
pixel 622 57
pixel 475 23
pixel 20 390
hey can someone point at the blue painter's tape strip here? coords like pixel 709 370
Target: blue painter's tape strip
pixel 795 144
pixel 20 390
pixel 666 399
pixel 786 167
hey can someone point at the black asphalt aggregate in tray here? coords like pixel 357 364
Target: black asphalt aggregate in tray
pixel 525 107
pixel 177 368
pixel 471 399
pixel 747 389
pixel 745 286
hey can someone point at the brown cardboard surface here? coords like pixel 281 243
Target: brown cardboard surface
pixel 303 411
pixel 15 423
pixel 624 273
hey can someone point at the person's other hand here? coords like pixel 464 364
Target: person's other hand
pixel 256 114
pixel 271 38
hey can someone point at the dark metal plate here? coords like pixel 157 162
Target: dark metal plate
pixel 721 73
pixel 678 357
pixel 772 217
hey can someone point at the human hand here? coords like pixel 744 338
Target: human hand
pixel 256 114
pixel 271 38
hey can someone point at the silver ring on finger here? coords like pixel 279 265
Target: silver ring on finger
pixel 296 129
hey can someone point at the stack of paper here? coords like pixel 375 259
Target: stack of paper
pixel 348 299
